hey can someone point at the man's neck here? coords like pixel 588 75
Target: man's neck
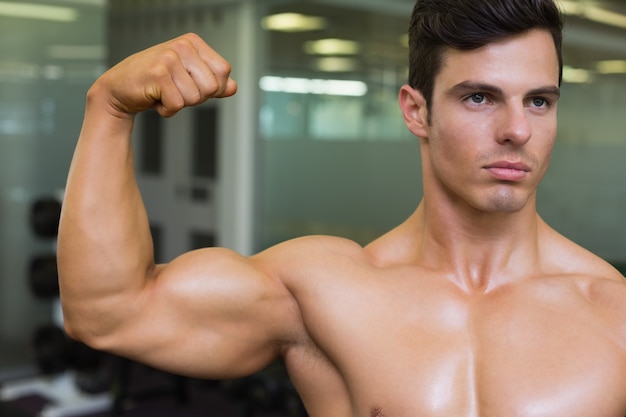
pixel 480 250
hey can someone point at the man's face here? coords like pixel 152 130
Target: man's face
pixel 493 122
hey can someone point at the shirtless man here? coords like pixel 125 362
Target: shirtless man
pixel 473 306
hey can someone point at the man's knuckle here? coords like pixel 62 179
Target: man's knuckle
pixel 194 97
pixel 169 56
pixel 223 68
pixel 191 37
pixel 183 43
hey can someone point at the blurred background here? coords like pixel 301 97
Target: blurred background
pixel 313 143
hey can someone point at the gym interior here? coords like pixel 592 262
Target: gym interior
pixel 307 146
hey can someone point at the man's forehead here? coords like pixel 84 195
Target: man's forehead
pixel 530 58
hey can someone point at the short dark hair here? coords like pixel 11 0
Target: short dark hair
pixel 470 24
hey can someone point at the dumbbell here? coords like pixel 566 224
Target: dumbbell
pixel 56 353
pixel 44 217
pixel 51 349
pixel 43 277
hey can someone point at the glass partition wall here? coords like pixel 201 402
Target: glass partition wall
pixel 338 159
pixel 50 52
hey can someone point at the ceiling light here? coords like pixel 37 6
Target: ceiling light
pixel 571 7
pixel 96 3
pixel 293 22
pixel 612 67
pixel 594 13
pixel 38 11
pixel 576 75
pixel 313 86
pixel 605 16
pixel 404 40
pixel 332 47
pixel 336 64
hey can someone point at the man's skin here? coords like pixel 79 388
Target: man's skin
pixel 471 307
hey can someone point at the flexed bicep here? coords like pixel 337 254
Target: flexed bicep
pixel 210 313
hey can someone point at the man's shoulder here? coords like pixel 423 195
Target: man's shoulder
pixel 607 288
pixel 315 245
pixel 311 255
pixel 603 286
pixel 563 256
pixel 606 296
pixel 599 270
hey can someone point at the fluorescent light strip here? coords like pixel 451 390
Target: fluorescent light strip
pixel 336 64
pixel 293 22
pixel 612 67
pixel 95 3
pixel 594 13
pixel 78 52
pixel 332 46
pixel 576 75
pixel 605 16
pixel 38 11
pixel 313 86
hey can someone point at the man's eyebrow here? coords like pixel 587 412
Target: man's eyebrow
pixel 472 86
pixel 546 91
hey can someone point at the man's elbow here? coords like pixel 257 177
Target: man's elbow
pixel 89 331
pixel 78 331
pixel 71 329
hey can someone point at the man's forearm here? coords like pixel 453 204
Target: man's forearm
pixel 105 247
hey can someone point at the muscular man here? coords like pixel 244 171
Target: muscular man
pixel 473 306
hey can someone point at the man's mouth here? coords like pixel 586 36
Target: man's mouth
pixel 508 171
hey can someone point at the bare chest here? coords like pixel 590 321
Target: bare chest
pixel 450 375
pixel 440 355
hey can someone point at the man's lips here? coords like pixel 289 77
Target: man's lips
pixel 508 171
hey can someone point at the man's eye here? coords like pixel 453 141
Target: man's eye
pixel 539 102
pixel 477 98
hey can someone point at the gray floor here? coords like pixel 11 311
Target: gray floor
pixel 9 411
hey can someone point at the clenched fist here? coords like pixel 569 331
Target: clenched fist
pixel 178 73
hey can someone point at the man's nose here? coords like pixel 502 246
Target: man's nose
pixel 514 125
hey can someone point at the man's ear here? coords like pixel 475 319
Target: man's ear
pixel 414 110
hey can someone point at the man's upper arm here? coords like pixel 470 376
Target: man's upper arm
pixel 209 313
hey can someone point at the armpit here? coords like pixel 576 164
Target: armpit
pixel 377 412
